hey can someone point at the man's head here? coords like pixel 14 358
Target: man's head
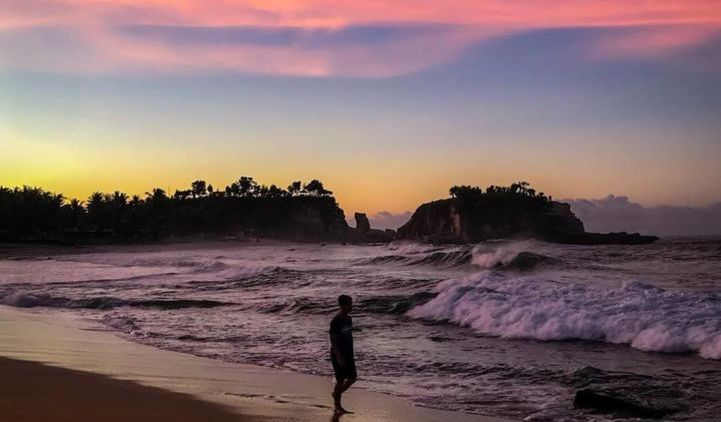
pixel 346 303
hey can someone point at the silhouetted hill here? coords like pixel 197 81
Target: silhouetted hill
pixel 517 211
pixel 243 210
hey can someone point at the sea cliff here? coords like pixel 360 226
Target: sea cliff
pixel 472 215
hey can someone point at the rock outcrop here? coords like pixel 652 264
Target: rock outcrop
pixel 363 233
pixel 362 224
pixel 504 216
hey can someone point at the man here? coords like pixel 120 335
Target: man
pixel 341 350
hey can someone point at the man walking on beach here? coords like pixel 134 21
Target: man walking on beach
pixel 341 350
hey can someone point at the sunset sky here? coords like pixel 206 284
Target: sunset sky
pixel 387 102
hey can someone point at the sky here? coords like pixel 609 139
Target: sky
pixel 389 103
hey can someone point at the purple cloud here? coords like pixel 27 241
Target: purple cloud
pixel 618 213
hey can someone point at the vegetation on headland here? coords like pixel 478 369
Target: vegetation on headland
pixel 519 191
pixel 243 208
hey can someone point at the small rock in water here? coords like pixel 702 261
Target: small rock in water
pixel 620 402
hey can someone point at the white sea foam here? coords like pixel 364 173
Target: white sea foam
pixel 121 323
pixel 500 255
pixel 645 317
pixel 404 247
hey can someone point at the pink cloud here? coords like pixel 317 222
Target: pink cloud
pixel 655 29
pixel 102 50
pixel 650 42
pixel 335 13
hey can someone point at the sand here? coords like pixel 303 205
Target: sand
pixel 109 373
pixel 33 392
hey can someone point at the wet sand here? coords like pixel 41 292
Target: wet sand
pixel 34 392
pixel 120 376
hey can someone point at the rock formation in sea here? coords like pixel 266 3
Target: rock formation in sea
pixel 363 233
pixel 472 215
pixel 362 225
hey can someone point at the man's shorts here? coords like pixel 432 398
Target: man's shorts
pixel 346 372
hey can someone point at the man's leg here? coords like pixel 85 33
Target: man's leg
pixel 340 387
pixel 347 383
pixel 337 393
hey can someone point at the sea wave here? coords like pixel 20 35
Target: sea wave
pixel 515 256
pixel 447 259
pixel 382 304
pixel 27 300
pixel 408 248
pixel 643 316
pixel 510 256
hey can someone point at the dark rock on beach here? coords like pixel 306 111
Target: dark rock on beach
pixel 625 394
pixel 628 404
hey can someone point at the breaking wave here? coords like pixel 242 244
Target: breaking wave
pixel 640 315
pixel 447 259
pixel 511 256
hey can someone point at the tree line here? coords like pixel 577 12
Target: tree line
pixel 518 190
pixel 32 213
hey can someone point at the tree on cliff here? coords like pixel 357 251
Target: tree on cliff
pixel 315 188
pixel 520 189
pixel 198 188
pixel 465 192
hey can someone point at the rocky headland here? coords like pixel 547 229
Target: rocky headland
pixel 473 215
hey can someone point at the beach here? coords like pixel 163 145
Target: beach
pixel 34 392
pixel 56 367
pixel 244 326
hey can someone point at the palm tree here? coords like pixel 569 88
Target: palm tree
pixel 119 199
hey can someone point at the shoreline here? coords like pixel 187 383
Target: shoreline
pixel 64 341
pixel 21 251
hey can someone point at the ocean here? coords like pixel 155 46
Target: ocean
pixel 505 328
